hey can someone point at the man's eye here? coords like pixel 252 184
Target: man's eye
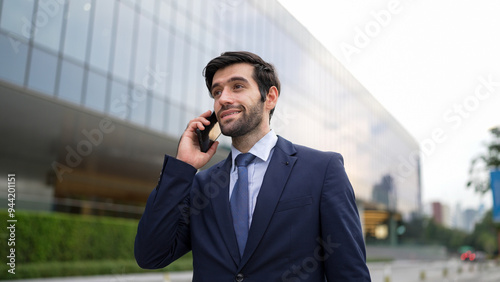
pixel 238 86
pixel 216 93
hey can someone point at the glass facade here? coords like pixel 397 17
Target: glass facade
pixel 142 62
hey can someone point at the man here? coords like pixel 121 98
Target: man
pixel 287 214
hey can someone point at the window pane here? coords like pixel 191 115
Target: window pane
pixel 143 53
pixel 13 53
pixel 95 97
pixel 173 114
pixel 16 17
pixel 165 11
pixel 76 29
pixel 199 10
pixel 197 36
pixel 101 36
pixel 176 76
pixel 148 6
pixel 43 71
pixel 70 85
pixel 123 48
pixel 138 104
pixel 130 3
pixel 183 6
pixel 181 21
pixel 157 114
pixel 161 60
pixel 118 103
pixel 48 24
pixel 193 70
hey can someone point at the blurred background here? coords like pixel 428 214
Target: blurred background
pixel 94 93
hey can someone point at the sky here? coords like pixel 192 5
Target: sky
pixel 434 65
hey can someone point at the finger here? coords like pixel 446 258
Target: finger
pixel 200 121
pixel 204 117
pixel 206 114
pixel 200 125
pixel 211 151
pixel 194 124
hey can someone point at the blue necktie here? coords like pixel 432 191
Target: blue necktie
pixel 239 200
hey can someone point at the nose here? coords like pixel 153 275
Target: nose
pixel 225 97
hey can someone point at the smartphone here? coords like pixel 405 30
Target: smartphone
pixel 208 136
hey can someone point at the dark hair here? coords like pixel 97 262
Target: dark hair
pixel 263 73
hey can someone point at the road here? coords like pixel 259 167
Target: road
pixel 397 271
pixel 451 270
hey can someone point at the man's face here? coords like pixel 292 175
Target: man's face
pixel 237 100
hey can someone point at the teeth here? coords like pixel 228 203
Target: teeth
pixel 231 114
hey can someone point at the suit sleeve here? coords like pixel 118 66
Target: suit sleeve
pixel 342 238
pixel 163 233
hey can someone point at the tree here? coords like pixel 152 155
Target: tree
pixel 479 178
pixel 484 236
pixel 426 231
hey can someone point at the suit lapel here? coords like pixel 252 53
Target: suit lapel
pixel 220 205
pixel 276 176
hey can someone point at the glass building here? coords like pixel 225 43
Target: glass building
pixel 94 93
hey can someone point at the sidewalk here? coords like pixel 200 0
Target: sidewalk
pixel 148 277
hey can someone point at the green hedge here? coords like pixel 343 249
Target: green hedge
pixel 44 237
pixel 84 268
pixel 55 244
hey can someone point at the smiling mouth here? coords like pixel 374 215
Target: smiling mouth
pixel 228 114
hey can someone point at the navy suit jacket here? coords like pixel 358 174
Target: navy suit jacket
pixel 305 226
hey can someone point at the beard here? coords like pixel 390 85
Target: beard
pixel 250 119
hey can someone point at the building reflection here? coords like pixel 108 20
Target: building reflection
pixel 68 67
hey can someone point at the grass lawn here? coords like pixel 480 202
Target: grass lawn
pixel 83 268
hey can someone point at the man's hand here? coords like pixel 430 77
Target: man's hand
pixel 189 148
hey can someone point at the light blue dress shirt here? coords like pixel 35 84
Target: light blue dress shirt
pixel 263 150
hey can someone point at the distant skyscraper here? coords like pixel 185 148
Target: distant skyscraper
pixel 441 214
pixel 470 219
pixel 385 193
pixel 437 212
pixel 457 216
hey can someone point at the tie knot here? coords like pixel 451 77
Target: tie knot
pixel 244 159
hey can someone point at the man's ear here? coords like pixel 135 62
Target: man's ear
pixel 271 98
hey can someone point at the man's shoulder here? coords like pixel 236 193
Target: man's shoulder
pixel 308 150
pixel 305 151
pixel 317 156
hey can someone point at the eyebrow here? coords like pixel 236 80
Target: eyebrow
pixel 234 78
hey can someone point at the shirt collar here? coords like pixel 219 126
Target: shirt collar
pixel 261 149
